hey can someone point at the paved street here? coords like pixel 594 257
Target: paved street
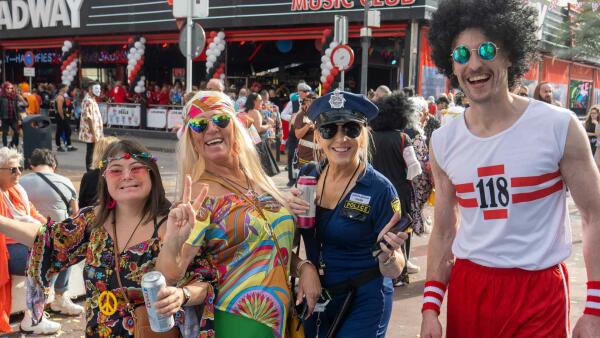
pixel 406 313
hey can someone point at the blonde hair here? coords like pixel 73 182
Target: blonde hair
pixel 99 149
pixel 364 155
pixel 190 163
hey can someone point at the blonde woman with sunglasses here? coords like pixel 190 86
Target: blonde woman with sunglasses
pixel 244 225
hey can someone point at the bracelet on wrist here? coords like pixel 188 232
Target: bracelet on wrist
pixel 592 304
pixel 299 266
pixel 433 296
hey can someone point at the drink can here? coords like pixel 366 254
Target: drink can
pixel 152 283
pixel 308 188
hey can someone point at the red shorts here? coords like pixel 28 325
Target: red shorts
pixel 494 302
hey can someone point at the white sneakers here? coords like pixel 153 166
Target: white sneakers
pixel 412 268
pixel 63 304
pixel 45 326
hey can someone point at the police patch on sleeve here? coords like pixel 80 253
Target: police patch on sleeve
pixel 396 205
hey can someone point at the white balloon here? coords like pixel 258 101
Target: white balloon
pixel 137 57
pixel 328 52
pixel 212 45
pixel 65 49
pixel 324 58
pixel 132 50
pixel 217 39
pixel 143 78
pixel 209 64
pixel 221 35
pixel 222 76
pixel 143 39
pixel 140 83
pixel 138 90
pixel 222 47
pixel 212 58
pixel 141 51
pixel 137 44
pixel 333 44
pixel 68 44
pixel 70 78
pixel 329 64
pixel 323 78
pixel 65 82
pixel 326 72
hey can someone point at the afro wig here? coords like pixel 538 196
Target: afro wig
pixel 395 110
pixel 511 24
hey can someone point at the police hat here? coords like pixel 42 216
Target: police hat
pixel 341 106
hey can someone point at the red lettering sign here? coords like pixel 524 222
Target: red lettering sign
pixel 314 5
pixel 299 5
pixel 318 5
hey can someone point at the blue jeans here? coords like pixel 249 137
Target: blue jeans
pixel 17 263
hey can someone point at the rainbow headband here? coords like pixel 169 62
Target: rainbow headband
pixel 207 104
pixel 126 156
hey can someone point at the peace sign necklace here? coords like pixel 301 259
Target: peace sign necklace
pixel 107 301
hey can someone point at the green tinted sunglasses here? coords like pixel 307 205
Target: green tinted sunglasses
pixel 487 51
pixel 200 124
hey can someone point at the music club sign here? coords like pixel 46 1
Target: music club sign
pixel 323 5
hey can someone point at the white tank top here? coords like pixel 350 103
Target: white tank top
pixel 510 192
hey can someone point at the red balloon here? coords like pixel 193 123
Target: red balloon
pixel 330 78
pixel 130 40
pixel 335 71
pixel 213 34
pixel 327 32
pixel 141 62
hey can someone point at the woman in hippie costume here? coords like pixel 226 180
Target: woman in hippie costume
pixel 243 225
pixel 119 241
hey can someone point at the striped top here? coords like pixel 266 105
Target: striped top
pixel 512 199
pixel 251 278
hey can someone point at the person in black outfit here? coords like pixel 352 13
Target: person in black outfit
pixel 89 182
pixel 393 156
pixel 9 113
pixel 64 112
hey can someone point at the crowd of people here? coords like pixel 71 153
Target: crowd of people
pixel 229 246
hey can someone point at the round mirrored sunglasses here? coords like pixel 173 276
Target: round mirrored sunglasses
pixel 487 51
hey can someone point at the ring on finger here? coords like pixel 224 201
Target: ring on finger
pixel 201 214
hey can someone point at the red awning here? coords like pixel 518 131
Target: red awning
pixel 290 33
pixel 555 71
pixel 534 72
pixel 582 73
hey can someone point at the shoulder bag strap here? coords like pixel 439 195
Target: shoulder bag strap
pixel 260 212
pixel 53 186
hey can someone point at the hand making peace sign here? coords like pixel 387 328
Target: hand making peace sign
pixel 182 217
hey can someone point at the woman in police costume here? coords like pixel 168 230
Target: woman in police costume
pixel 356 208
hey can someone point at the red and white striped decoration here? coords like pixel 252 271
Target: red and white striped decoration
pixel 433 296
pixel 592 304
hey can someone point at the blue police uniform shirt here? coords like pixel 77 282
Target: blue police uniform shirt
pixel 347 235
pixel 350 232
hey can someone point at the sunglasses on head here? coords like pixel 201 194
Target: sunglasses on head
pixel 199 124
pixel 351 129
pixel 14 170
pixel 487 51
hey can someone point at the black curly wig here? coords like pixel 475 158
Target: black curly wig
pixel 511 24
pixel 394 112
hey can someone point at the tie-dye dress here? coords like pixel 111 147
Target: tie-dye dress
pixel 251 280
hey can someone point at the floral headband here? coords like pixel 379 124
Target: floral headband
pixel 207 103
pixel 127 156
